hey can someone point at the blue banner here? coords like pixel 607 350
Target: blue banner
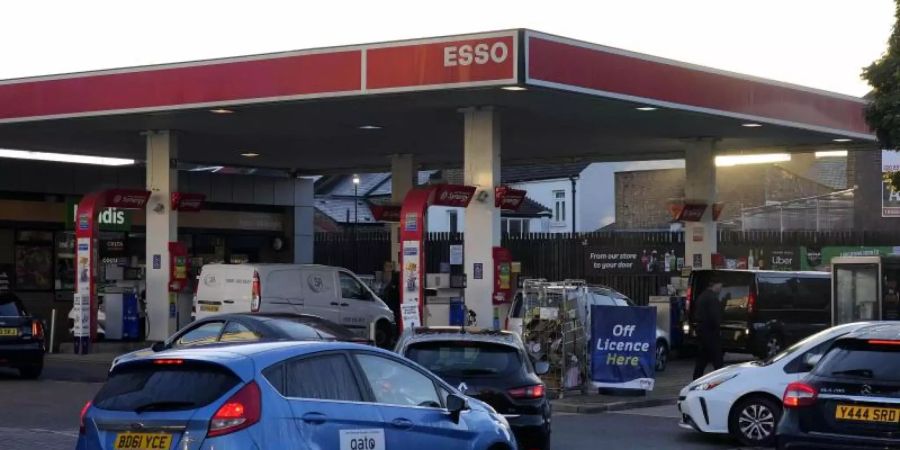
pixel 623 343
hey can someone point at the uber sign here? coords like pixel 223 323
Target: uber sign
pixel 482 53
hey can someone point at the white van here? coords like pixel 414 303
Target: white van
pixel 331 293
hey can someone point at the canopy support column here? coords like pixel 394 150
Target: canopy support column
pixel 700 186
pixel 162 228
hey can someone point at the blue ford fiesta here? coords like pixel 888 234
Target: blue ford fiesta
pixel 297 395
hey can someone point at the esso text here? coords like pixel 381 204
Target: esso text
pixel 481 53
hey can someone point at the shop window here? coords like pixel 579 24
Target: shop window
pixel 65 260
pixel 34 260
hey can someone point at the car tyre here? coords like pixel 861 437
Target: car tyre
pixel 31 372
pixel 662 355
pixel 753 421
pixel 384 334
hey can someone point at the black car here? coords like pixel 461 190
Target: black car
pixel 21 338
pixel 765 311
pixel 851 400
pixel 227 329
pixel 491 366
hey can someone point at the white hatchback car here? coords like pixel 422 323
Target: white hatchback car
pixel 744 400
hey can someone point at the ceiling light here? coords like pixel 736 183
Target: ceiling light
pixel 65 157
pixel 369 127
pixel 221 111
pixel 842 139
pixel 514 88
pixel 832 154
pixel 751 125
pixel 355 179
pixel 646 108
pixel 249 155
pixel 737 160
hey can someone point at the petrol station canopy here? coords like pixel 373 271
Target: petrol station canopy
pixel 349 108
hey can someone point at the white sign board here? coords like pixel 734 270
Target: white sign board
pixel 82 309
pixel 890 198
pixel 456 255
pixel 411 282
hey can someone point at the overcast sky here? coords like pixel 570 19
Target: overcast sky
pixel 819 43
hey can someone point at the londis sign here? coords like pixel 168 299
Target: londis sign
pixel 110 219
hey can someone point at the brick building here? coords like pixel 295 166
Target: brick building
pixel 642 196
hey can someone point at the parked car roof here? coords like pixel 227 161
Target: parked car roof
pixel 886 331
pixel 425 334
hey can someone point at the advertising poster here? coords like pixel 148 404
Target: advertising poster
pixel 83 258
pixel 890 198
pixel 623 343
pixel 633 260
pixel 409 309
pixel 764 257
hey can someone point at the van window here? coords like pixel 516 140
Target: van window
pixel 776 293
pixel 282 284
pixel 351 288
pixel 735 292
pixel 813 294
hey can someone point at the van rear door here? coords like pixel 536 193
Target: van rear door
pixel 224 289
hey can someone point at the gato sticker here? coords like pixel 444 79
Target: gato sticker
pixel 370 439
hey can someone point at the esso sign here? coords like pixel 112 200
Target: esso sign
pixel 481 53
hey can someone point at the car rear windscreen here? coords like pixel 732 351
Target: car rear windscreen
pixel 858 359
pixel 466 359
pixel 9 307
pixel 145 386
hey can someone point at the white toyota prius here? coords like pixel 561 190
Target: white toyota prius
pixel 744 400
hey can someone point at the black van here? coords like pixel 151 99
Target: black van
pixel 764 311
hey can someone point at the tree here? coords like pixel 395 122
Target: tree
pixel 883 110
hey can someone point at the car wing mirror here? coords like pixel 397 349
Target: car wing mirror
pixel 456 404
pixel 541 367
pixel 158 346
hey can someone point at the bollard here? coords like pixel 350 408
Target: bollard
pixel 52 329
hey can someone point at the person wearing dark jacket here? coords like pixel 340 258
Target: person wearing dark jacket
pixel 709 324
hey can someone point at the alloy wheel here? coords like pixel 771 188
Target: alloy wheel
pixel 756 422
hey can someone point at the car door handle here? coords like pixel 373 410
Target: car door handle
pixel 230 302
pixel 334 303
pixel 345 304
pixel 401 423
pixel 314 418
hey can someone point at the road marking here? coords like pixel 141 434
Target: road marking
pixel 666 411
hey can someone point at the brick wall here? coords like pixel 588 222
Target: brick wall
pixel 641 196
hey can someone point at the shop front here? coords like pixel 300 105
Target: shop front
pixel 37 248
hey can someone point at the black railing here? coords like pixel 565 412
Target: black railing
pixel 560 256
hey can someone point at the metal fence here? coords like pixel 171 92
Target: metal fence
pixel 560 256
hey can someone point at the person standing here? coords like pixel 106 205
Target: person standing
pixel 709 326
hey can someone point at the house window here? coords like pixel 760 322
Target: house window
pixel 515 226
pixel 453 220
pixel 559 207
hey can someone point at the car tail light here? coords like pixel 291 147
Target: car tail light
pixel 536 391
pixel 37 330
pixel 751 302
pixel 84 410
pixel 882 342
pixel 799 394
pixel 168 362
pixel 688 297
pixel 256 289
pixel 239 412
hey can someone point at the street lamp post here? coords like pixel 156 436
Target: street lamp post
pixel 356 220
